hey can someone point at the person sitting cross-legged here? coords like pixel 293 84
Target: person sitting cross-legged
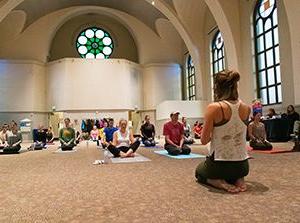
pixel 94 134
pixel 174 133
pixel 50 135
pixel 41 139
pixel 14 140
pixel 3 136
pixel 148 132
pixel 257 134
pixel 187 132
pixel 67 136
pixel 123 144
pixel 108 133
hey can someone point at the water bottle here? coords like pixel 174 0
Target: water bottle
pixel 106 156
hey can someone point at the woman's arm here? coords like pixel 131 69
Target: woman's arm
pixel 250 131
pixel 115 139
pixel 132 139
pixel 208 124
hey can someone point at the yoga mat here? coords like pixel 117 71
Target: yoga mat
pixel 22 150
pixel 138 158
pixel 67 151
pixel 190 156
pixel 273 151
pixel 152 147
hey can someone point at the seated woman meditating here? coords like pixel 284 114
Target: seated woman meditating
pixel 14 140
pixel 95 135
pixel 123 144
pixel 257 134
pixel 67 136
pixel 41 138
pixel 50 135
pixel 224 126
pixel 148 132
pixel 187 132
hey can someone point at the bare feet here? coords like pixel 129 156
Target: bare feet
pixel 222 184
pixel 132 155
pixel 123 155
pixel 240 183
pixel 129 153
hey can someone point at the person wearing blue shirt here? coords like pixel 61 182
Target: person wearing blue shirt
pixel 108 133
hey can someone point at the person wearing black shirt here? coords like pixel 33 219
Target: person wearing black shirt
pixel 41 139
pixel 148 132
pixel 293 116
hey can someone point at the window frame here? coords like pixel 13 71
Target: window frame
pixel 263 53
pixel 190 75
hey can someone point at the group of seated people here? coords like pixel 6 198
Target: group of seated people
pixel 41 138
pixel 257 131
pixel 10 138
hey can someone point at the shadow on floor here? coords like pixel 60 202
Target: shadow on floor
pixel 254 188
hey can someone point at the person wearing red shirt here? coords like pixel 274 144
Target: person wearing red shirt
pixel 197 130
pixel 174 132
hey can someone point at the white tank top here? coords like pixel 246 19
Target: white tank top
pixel 228 141
pixel 123 140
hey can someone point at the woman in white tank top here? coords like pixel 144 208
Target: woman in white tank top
pixel 224 126
pixel 123 144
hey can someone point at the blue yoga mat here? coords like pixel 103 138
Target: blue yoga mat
pixel 190 156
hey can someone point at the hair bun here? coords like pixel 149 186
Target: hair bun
pixel 233 76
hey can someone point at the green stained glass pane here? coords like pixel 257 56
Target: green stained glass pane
pixel 94 44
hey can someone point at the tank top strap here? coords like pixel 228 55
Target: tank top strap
pixel 234 108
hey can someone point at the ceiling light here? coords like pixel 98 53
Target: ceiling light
pixel 153 3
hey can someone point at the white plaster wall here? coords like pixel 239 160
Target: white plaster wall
pixel 292 8
pixel 22 86
pixel 161 82
pixel 80 84
pixel 189 109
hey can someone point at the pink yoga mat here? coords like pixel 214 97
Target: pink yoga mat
pixel 273 151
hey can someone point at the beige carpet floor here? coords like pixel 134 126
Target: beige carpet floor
pixel 43 186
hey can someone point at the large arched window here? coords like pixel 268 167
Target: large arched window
pixel 190 79
pixel 218 53
pixel 94 43
pixel 267 52
pixel 217 57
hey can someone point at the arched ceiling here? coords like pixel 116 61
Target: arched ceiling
pixel 140 9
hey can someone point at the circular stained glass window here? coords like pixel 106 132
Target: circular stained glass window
pixel 94 43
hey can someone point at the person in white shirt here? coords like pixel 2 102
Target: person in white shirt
pixel 3 136
pixel 123 144
pixel 225 127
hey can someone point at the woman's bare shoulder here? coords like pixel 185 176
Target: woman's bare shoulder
pixel 245 106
